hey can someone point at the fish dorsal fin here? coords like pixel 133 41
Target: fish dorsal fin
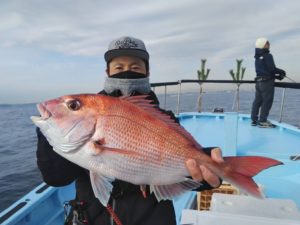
pixel 146 104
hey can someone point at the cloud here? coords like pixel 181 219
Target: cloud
pixel 56 34
pixel 10 21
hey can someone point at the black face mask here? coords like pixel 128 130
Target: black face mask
pixel 128 75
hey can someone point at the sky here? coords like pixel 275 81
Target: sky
pixel 53 48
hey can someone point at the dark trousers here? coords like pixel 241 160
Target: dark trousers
pixel 264 95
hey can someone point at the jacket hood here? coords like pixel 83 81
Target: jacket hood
pixel 260 52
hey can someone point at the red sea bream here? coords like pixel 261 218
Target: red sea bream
pixel 128 138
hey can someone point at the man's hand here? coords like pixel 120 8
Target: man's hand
pixel 279 77
pixel 200 172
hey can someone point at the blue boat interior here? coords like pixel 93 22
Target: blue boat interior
pixel 234 134
pixel 231 132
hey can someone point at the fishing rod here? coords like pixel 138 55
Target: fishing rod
pixel 295 157
pixel 291 79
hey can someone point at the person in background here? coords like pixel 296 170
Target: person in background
pixel 266 73
pixel 127 74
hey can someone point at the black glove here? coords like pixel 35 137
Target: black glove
pixel 279 77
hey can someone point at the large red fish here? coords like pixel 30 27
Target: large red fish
pixel 130 139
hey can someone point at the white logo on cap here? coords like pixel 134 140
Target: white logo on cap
pixel 126 43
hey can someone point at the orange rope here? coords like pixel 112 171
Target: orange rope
pixel 114 215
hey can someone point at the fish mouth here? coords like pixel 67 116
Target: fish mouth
pixel 44 113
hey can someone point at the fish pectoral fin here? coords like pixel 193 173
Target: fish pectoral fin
pixel 122 151
pixel 98 148
pixel 102 187
pixel 170 191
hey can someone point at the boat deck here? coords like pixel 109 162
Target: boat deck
pixel 235 136
pixel 233 133
pixel 211 129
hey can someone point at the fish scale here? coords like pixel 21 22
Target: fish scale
pixel 149 154
pixel 133 166
pixel 153 136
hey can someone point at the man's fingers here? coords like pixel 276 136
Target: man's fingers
pixel 194 170
pixel 216 155
pixel 210 177
pixel 200 172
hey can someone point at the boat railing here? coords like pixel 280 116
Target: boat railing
pixel 179 83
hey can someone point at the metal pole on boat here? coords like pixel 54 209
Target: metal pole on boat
pixel 178 97
pixel 238 97
pixel 282 103
pixel 165 97
pixel 231 133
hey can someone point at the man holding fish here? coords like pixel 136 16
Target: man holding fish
pixel 127 156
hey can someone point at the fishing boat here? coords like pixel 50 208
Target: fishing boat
pixel 229 130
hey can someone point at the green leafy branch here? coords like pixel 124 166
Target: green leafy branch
pixel 238 76
pixel 240 71
pixel 203 73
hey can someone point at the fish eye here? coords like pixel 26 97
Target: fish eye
pixel 74 105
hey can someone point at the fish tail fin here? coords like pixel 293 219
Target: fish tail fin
pixel 243 168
